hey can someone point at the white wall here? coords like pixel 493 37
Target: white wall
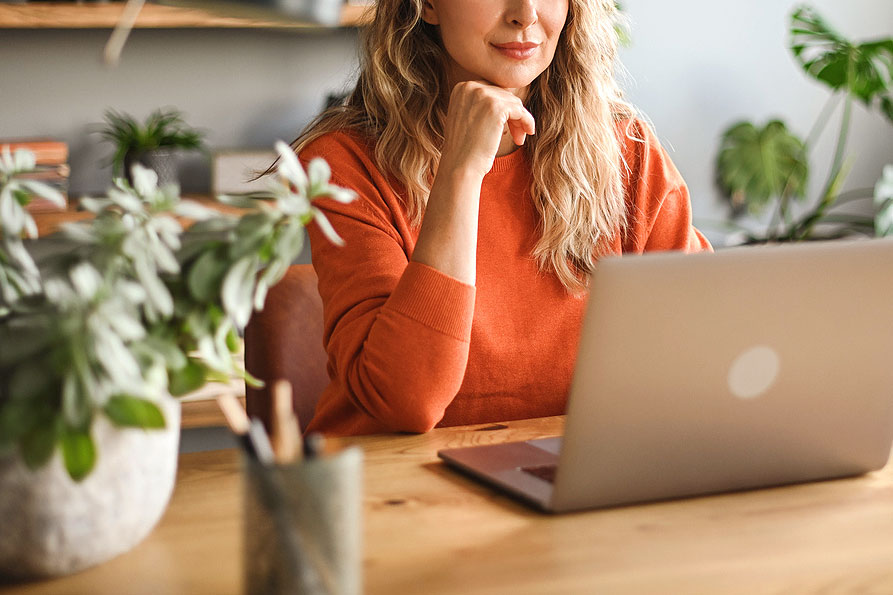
pixel 246 88
pixel 696 66
pixel 699 65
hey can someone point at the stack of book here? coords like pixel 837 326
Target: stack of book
pixel 51 168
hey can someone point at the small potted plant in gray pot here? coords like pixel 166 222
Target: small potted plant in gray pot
pixel 99 325
pixel 153 143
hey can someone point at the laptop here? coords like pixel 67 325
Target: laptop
pixel 707 373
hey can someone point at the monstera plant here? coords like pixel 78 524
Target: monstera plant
pixel 768 166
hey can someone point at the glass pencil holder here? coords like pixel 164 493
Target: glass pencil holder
pixel 303 525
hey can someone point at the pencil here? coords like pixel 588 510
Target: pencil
pixel 286 436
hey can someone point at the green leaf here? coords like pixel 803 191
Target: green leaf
pixel 887 107
pixel 756 165
pixel 17 416
pixel 162 128
pixel 864 70
pixel 238 289
pixel 232 341
pixel 76 406
pixel 252 234
pixel 22 197
pixel 37 446
pixel 289 242
pixel 219 376
pixel 260 295
pixel 190 377
pixel 883 222
pixel 32 378
pixel 167 347
pixel 213 227
pixel 131 412
pixel 813 42
pixel 206 275
pixel 22 338
pixel 78 452
pixel 251 380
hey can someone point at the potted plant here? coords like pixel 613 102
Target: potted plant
pixel 767 167
pixel 99 325
pixel 152 144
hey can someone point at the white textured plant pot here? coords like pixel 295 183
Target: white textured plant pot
pixel 51 525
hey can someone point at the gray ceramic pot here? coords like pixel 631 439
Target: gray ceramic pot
pixel 53 526
pixel 162 161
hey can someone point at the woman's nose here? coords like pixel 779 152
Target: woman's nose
pixel 521 13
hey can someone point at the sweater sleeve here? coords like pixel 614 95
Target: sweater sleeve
pixel 396 332
pixel 657 196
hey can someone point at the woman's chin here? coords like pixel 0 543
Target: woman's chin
pixel 518 77
pixel 511 82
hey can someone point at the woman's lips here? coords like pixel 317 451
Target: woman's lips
pixel 516 50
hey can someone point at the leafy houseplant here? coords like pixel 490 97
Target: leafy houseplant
pixel 18 273
pixel 151 143
pixel 102 321
pixel 759 167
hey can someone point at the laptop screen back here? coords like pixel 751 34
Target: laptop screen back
pixel 749 367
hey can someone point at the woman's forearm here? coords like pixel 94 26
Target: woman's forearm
pixel 448 237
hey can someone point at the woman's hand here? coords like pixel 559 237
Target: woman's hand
pixel 476 122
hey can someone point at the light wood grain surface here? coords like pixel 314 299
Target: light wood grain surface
pixel 428 530
pixel 203 413
pixel 51 221
pixel 70 15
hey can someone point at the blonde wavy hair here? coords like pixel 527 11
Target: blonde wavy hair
pixel 400 102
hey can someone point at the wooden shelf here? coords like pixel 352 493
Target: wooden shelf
pixel 71 15
pixel 50 221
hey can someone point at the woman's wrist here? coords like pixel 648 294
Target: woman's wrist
pixel 462 170
pixel 448 238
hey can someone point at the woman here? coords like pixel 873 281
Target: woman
pixel 458 295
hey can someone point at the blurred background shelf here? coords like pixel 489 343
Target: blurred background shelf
pixel 70 15
pixel 51 221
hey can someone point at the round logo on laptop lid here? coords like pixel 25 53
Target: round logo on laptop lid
pixel 753 372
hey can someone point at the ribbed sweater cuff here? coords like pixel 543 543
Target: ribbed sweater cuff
pixel 434 299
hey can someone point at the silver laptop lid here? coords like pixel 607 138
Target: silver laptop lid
pixel 714 372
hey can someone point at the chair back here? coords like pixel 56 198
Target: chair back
pixel 284 341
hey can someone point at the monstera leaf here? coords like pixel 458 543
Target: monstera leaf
pixel 864 70
pixel 756 165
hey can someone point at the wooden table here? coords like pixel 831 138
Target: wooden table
pixel 429 530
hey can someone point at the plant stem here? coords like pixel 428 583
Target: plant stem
pixel 772 230
pixel 782 215
pixel 819 126
pixel 802 229
pixel 841 143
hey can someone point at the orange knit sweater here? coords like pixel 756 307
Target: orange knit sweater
pixel 411 348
